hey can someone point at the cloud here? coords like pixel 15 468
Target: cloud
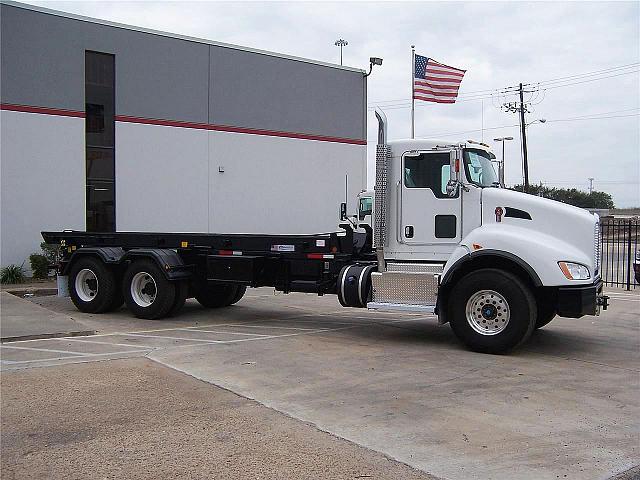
pixel 499 43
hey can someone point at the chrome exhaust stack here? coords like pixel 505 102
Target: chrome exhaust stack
pixel 383 153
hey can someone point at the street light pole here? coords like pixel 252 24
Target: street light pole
pixel 503 140
pixel 341 43
pixel 524 148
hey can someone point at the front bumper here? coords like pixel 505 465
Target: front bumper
pixel 575 302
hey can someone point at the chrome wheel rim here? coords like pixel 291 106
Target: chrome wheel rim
pixel 488 312
pixel 86 285
pixel 143 289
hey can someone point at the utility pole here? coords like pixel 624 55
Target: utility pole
pixel 590 185
pixel 523 126
pixel 521 107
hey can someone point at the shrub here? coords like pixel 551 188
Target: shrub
pixel 12 274
pixel 51 251
pixel 39 265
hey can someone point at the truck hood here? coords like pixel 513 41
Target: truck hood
pixel 555 220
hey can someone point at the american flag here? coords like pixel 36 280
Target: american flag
pixel 435 82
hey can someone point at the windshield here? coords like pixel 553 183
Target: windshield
pixel 479 168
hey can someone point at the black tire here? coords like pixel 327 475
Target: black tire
pixel 216 295
pixel 504 327
pixel 156 294
pixel 239 294
pixel 182 292
pixel 546 313
pixel 105 285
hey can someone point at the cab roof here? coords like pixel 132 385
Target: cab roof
pixel 405 145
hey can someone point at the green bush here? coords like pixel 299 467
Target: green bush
pixel 51 251
pixel 39 265
pixel 12 274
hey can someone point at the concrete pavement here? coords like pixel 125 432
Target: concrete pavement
pixel 21 319
pixel 136 419
pixel 565 406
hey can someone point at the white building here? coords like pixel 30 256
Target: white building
pixel 108 127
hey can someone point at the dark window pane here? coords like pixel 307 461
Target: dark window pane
pixel 100 206
pixel 427 171
pixel 100 141
pixel 95 118
pixel 99 69
pixel 100 164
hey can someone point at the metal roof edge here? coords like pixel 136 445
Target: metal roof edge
pixel 107 23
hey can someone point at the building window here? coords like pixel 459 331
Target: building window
pixel 100 141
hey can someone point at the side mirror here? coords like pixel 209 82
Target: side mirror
pixel 343 211
pixel 452 188
pixel 454 167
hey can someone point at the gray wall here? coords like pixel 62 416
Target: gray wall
pixel 258 91
pixel 156 77
pixel 42 64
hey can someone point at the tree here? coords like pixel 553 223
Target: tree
pixel 572 196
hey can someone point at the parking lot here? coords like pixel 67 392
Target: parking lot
pixel 564 406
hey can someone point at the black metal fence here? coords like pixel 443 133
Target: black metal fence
pixel 618 247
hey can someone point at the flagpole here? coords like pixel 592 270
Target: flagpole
pixel 413 73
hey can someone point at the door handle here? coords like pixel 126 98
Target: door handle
pixel 408 231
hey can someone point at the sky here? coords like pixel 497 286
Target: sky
pixel 592 126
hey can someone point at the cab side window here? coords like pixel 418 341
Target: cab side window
pixel 366 204
pixel 428 170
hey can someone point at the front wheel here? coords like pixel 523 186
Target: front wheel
pixel 492 311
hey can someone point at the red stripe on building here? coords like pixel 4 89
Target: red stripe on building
pixel 164 123
pixel 232 129
pixel 180 124
pixel 42 110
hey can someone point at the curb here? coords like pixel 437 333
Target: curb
pixel 37 292
pixel 82 333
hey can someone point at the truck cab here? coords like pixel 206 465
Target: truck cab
pixel 365 201
pixel 493 262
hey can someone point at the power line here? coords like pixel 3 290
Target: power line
pixel 592 118
pixel 589 80
pixel 570 119
pixel 589 74
pixel 543 85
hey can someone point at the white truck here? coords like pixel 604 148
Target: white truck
pixel 446 239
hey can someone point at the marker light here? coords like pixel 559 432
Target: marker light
pixel 574 271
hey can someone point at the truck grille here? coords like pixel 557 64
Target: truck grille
pixel 596 249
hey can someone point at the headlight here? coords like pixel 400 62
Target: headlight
pixel 574 271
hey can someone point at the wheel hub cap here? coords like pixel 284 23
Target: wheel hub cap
pixel 487 312
pixel 143 289
pixel 86 285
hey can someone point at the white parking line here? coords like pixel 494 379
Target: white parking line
pixel 71 358
pixel 220 331
pixel 76 354
pixel 49 350
pixel 147 347
pixel 172 338
pixel 72 355
pixel 264 326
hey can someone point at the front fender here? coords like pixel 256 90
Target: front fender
pixel 537 251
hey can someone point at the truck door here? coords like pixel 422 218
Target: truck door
pixel 428 214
